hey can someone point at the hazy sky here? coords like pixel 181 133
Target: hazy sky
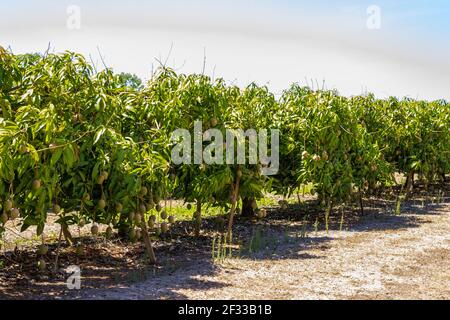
pixel 269 42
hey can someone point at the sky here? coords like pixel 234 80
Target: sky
pixel 388 47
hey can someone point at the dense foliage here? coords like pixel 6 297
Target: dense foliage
pixel 95 146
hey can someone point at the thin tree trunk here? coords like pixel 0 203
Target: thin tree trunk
pixel 67 236
pixel 57 249
pixel 247 209
pixel 235 193
pixel 148 244
pixel 361 207
pixel 410 182
pixel 198 218
pixel 328 213
pixel 123 229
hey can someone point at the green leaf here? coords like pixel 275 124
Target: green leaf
pixel 99 134
pixel 29 221
pixel 69 155
pixel 56 156
pixel 40 228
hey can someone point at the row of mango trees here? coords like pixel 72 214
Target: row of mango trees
pixel 88 147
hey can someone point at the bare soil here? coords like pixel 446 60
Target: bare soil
pixel 389 257
pixel 290 255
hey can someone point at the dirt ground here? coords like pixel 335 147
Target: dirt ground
pixel 381 257
pixel 377 255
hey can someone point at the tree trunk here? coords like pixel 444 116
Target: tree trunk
pixel 247 209
pixel 235 193
pixel 67 236
pixel 57 250
pixel 148 244
pixel 328 213
pixel 198 218
pixel 123 228
pixel 410 182
pixel 361 206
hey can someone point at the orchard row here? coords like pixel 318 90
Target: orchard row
pixel 96 147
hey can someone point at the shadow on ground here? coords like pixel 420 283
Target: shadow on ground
pixel 109 269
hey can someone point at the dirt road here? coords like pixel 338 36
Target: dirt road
pixel 382 257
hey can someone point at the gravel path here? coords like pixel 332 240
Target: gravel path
pixel 384 257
